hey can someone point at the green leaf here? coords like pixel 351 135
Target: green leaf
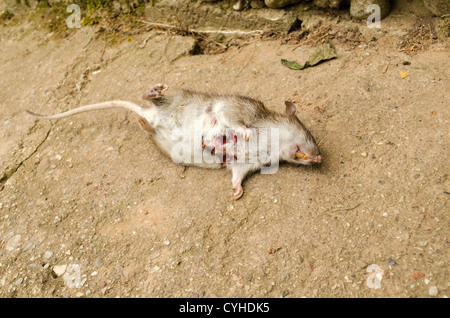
pixel 322 53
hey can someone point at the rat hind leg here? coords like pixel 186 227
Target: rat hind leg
pixel 239 172
pixel 145 126
pixel 155 92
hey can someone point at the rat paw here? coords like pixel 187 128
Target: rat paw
pixel 239 192
pixel 155 92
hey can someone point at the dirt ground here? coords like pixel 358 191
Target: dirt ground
pixel 90 208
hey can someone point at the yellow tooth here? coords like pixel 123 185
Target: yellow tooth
pixel 299 155
pixel 305 158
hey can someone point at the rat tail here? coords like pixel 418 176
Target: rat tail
pixel 105 105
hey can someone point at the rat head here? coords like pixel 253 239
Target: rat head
pixel 297 145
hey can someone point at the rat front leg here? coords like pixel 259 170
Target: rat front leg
pixel 240 171
pixel 155 92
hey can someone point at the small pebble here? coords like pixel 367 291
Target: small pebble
pixel 13 243
pixel 433 291
pixel 20 280
pixel 27 246
pixel 364 154
pixel 48 254
pixel 239 5
pixel 391 262
pixel 59 269
pixel 361 264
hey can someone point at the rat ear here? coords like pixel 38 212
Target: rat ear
pixel 290 108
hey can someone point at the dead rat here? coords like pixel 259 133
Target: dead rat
pixel 214 130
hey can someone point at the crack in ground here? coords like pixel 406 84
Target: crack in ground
pixel 9 173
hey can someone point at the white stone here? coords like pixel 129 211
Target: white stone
pixel 433 291
pixel 48 254
pixel 13 243
pixel 59 269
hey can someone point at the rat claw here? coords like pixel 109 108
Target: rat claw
pixel 247 135
pixel 245 132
